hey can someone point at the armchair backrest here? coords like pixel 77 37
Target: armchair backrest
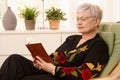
pixel 111 31
pixel 105 27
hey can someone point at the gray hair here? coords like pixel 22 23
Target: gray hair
pixel 94 9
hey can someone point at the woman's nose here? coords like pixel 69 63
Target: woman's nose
pixel 79 22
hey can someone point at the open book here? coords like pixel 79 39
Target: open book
pixel 37 49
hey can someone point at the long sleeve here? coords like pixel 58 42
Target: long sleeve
pixel 82 63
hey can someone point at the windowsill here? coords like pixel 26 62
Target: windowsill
pixel 20 28
pixel 38 31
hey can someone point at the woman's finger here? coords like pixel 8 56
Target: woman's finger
pixel 35 65
pixel 40 59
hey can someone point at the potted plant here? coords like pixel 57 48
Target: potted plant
pixel 29 14
pixel 54 15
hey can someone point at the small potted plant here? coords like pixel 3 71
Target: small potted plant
pixel 29 14
pixel 54 15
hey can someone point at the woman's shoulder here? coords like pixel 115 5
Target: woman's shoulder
pixel 98 40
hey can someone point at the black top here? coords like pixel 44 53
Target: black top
pixel 83 62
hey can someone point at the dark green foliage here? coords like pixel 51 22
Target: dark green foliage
pixel 55 14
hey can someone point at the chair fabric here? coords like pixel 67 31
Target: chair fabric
pixel 104 27
pixel 100 28
pixel 115 51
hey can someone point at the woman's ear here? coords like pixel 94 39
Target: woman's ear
pixel 97 22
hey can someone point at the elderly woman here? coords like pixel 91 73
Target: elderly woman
pixel 80 57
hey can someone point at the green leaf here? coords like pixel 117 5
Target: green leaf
pixel 62 75
pixel 74 73
pixel 72 57
pixel 94 75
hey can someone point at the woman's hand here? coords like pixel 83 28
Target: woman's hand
pixel 36 65
pixel 48 67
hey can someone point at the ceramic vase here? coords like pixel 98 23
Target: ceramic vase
pixel 9 20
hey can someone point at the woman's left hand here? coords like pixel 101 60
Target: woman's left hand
pixel 48 67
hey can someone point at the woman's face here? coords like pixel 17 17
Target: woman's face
pixel 86 22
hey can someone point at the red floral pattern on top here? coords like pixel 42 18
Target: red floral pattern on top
pixel 61 58
pixel 68 70
pixel 86 74
pixel 85 71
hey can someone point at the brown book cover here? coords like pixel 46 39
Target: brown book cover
pixel 37 49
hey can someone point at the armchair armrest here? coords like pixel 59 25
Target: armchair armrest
pixel 114 75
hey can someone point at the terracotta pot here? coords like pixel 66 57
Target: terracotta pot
pixel 30 24
pixel 54 24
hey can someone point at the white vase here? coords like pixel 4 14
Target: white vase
pixel 9 20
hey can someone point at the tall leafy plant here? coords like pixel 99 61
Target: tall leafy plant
pixel 29 13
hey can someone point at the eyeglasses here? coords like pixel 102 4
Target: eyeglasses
pixel 84 18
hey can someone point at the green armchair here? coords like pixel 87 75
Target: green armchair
pixel 111 34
